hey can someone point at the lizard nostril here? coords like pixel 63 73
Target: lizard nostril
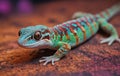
pixel 19 33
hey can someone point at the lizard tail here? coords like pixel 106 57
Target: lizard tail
pixel 108 13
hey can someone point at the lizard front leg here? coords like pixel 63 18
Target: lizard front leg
pixel 62 51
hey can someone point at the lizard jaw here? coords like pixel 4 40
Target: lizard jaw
pixel 39 44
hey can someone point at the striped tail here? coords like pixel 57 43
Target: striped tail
pixel 108 13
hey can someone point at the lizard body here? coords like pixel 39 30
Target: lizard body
pixel 64 36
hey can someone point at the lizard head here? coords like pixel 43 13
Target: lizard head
pixel 34 36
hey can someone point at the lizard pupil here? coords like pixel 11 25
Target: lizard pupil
pixel 37 35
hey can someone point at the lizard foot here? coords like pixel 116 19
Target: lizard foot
pixel 49 59
pixel 110 40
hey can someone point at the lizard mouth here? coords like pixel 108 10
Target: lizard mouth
pixel 27 45
pixel 40 44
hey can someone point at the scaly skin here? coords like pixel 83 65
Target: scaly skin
pixel 64 36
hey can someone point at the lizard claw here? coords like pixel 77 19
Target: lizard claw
pixel 110 40
pixel 49 59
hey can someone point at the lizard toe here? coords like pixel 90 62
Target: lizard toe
pixel 46 60
pixel 110 40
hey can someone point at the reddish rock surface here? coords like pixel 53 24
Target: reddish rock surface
pixel 88 59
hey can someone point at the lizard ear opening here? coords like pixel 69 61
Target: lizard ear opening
pixel 37 35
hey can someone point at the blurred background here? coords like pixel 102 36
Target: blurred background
pixel 13 9
pixel 8 7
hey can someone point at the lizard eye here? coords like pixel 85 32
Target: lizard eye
pixel 19 33
pixel 37 35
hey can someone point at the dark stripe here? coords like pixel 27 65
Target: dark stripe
pixel 65 32
pixel 62 32
pixel 72 28
pixel 72 25
pixel 90 26
pixel 83 23
pixel 94 22
pixel 58 30
pixel 82 28
pixel 87 21
pixel 55 32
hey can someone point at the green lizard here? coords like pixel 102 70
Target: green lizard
pixel 64 36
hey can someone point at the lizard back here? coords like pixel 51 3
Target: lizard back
pixel 76 31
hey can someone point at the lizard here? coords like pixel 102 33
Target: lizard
pixel 69 34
